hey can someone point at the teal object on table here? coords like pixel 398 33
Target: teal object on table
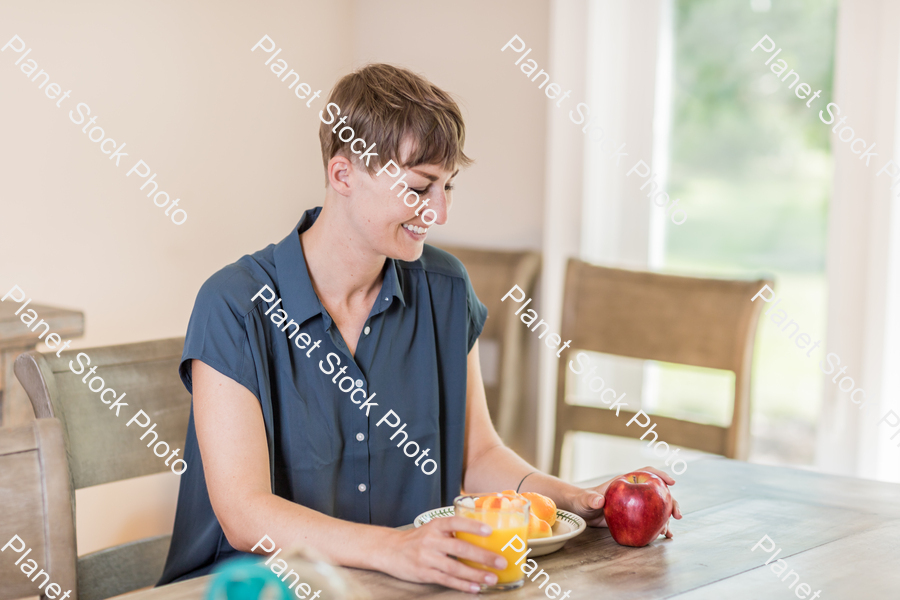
pixel 246 579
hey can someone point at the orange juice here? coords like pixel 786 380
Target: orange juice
pixel 494 542
pixel 506 522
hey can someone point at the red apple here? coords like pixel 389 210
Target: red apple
pixel 637 508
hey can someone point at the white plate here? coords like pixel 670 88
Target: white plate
pixel 567 526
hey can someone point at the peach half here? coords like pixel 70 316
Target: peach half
pixel 496 500
pixel 538 528
pixel 542 507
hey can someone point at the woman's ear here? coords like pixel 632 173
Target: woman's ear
pixel 339 168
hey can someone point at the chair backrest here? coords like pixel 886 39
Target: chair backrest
pixel 35 496
pixel 101 448
pixel 493 273
pixel 686 320
pixel 17 337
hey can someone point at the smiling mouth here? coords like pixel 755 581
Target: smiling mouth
pixel 415 229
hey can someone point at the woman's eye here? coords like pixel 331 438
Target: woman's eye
pixel 448 187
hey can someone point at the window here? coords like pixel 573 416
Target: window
pixel 751 165
pixel 754 164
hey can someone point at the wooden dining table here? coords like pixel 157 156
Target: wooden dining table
pixel 839 534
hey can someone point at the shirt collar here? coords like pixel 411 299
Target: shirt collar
pixel 299 298
pixel 391 286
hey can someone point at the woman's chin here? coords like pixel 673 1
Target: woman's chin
pixel 413 256
pixel 408 252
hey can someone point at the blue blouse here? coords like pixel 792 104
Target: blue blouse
pixel 372 438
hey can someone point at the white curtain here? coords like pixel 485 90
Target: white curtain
pixel 606 51
pixel 562 195
pixel 863 263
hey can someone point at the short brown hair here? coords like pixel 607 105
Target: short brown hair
pixel 384 104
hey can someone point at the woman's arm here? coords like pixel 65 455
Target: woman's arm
pixel 490 466
pixel 232 439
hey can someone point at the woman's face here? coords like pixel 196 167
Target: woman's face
pixel 385 219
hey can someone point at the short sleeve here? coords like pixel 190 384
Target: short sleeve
pixel 477 314
pixel 217 332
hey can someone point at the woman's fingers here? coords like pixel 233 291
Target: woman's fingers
pixel 450 524
pixel 588 503
pixel 458 570
pixel 676 512
pixel 661 474
pixel 429 555
pixel 597 522
pixel 449 545
pixel 451 582
pixel 594 499
pixel 451 572
pixel 463 549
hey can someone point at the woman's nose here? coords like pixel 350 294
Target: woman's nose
pixel 440 204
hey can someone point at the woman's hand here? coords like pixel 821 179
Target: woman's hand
pixel 588 503
pixel 421 555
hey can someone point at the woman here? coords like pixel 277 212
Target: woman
pixel 318 363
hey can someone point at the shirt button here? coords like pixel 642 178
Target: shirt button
pixel 360 437
pixel 361 487
pixel 366 330
pixel 359 383
pixel 387 299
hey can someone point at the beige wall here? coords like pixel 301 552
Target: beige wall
pixel 178 84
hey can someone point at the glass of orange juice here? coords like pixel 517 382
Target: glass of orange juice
pixel 507 517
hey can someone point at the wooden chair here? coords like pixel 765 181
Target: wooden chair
pixel 493 273
pixel 102 449
pixel 686 320
pixel 35 496
pixel 15 338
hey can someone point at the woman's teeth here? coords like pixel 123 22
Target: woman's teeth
pixel 414 229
